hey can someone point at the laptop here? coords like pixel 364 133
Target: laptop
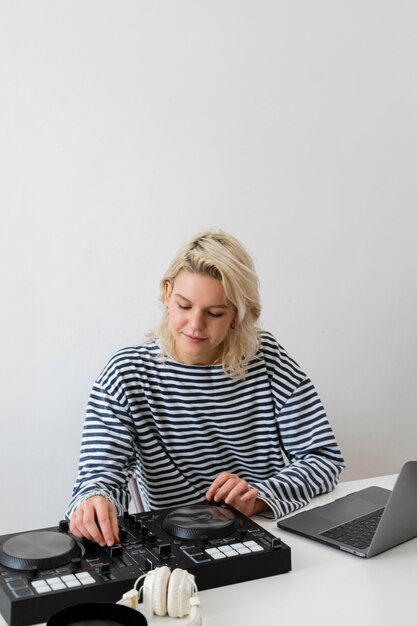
pixel 365 522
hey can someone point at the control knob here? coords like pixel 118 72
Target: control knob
pixel 75 564
pixel 63 526
pixel 32 572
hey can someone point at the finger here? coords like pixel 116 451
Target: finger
pixel 97 522
pixel 77 527
pixel 236 490
pixel 74 529
pixel 251 494
pixel 223 491
pixel 247 497
pixel 90 523
pixel 105 516
pixel 219 481
pixel 114 524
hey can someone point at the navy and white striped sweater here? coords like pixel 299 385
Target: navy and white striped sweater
pixel 178 426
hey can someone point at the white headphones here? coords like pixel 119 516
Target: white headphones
pixel 170 593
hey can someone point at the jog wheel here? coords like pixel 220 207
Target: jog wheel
pixel 43 549
pixel 189 522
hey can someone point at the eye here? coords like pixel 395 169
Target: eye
pixel 216 314
pixel 183 308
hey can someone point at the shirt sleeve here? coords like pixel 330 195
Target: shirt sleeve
pixel 108 450
pixel 313 458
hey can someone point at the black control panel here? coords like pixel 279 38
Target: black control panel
pixel 46 570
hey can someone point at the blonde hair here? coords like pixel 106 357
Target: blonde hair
pixel 220 256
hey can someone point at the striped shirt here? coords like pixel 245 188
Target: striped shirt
pixel 178 426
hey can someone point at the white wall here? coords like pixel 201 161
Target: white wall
pixel 128 126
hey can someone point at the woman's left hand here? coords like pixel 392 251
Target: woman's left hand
pixel 231 489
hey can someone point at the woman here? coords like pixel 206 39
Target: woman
pixel 211 407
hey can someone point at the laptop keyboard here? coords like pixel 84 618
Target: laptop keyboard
pixel 358 533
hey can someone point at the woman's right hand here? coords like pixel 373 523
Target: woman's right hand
pixel 96 520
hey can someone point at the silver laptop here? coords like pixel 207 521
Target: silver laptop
pixel 365 522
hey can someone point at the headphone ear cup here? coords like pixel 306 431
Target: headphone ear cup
pixel 155 589
pixel 161 589
pixel 180 590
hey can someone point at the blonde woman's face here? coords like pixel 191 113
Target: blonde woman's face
pixel 199 317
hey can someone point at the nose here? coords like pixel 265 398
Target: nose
pixel 196 321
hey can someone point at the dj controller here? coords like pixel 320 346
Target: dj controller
pixel 43 571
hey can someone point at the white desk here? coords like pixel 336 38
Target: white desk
pixel 326 587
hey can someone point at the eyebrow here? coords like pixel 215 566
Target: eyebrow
pixel 212 306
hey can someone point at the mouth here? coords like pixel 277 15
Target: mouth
pixel 192 339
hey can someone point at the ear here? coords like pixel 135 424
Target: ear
pixel 168 291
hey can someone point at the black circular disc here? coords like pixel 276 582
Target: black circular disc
pixel 97 614
pixel 41 548
pixel 189 522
